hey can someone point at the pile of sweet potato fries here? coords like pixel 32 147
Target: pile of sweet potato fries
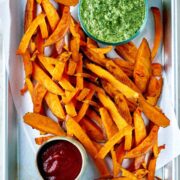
pixel 97 100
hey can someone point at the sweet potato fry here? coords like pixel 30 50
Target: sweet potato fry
pixel 110 106
pixel 66 85
pixel 28 34
pixel 60 66
pixel 27 64
pixel 154 90
pixel 51 12
pixel 120 75
pixel 71 67
pixel 156 69
pixel 103 50
pixel 116 165
pixel 68 2
pixel 54 105
pixel 42 140
pixel 92 130
pixel 43 123
pixel 61 28
pixel 152 113
pixel 70 109
pixel 40 76
pixel 69 96
pixel 120 152
pixel 109 126
pixel 128 174
pixel 151 169
pixel 158 30
pixel 29 85
pixel 44 29
pixel 142 69
pixel 79 69
pixel 83 94
pixel 112 141
pixel 74 128
pixel 125 90
pixel 85 106
pixel 127 51
pixel 59 46
pixel 91 43
pixel 39 43
pixel 37 97
pixel 30 12
pixel 145 145
pixel 141 173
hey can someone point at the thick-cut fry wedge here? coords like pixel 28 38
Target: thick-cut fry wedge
pixel 61 28
pixel 139 127
pixel 128 141
pixel 71 67
pixel 43 123
pixel 28 34
pixel 110 128
pixel 153 114
pixel 73 29
pixel 74 47
pixel 154 90
pixel 66 85
pixel 38 96
pixel 74 128
pixel 82 95
pixel 70 109
pixel 128 174
pixel 110 106
pixel 40 76
pixel 79 79
pixel 29 85
pixel 116 71
pixel 68 2
pixel 27 64
pixel 41 140
pixel 145 145
pixel 116 165
pixel 43 29
pixel 142 68
pixel 151 169
pixel 92 130
pixel 112 141
pixel 85 106
pixel 30 12
pixel 103 50
pixel 156 69
pixel 158 30
pixel 125 90
pixel 127 51
pixel 51 12
pixel 54 105
pixel 60 66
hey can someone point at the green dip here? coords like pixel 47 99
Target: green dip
pixel 112 21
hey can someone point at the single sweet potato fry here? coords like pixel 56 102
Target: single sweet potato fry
pixel 38 94
pixel 120 152
pixel 68 2
pixel 54 105
pixel 116 165
pixel 43 123
pixel 154 115
pixel 112 141
pixel 83 94
pixel 158 30
pixel 127 51
pixel 27 64
pixel 71 67
pixel 44 29
pixel 29 86
pixel 125 90
pixel 51 12
pixel 79 69
pixel 145 145
pixel 66 85
pixel 40 76
pixel 42 140
pixel 152 169
pixel 103 50
pixel 28 34
pixel 142 68
pixel 157 69
pixel 61 28
pixel 70 109
pixel 30 13
pixel 92 130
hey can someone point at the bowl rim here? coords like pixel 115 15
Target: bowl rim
pixel 75 143
pixel 117 43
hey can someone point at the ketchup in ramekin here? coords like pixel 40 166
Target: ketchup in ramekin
pixel 59 160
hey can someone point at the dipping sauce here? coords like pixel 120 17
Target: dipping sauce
pixel 112 21
pixel 59 160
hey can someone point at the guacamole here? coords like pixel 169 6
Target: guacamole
pixel 112 21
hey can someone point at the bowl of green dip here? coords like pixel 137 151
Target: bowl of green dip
pixel 113 22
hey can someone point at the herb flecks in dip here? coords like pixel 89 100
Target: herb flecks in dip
pixel 112 21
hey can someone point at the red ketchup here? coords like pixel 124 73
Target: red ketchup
pixel 59 160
